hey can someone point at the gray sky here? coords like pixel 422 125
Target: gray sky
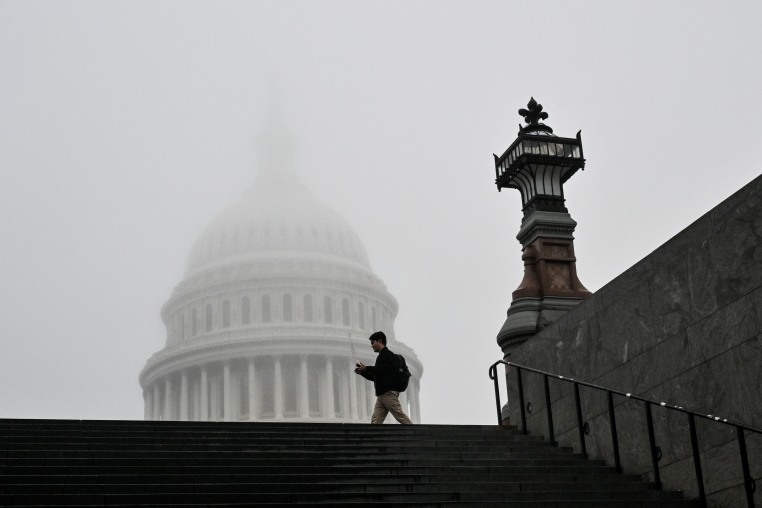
pixel 125 127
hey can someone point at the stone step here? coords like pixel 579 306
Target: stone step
pixel 223 436
pixel 246 453
pixel 655 503
pixel 539 478
pixel 251 427
pixel 150 438
pixel 359 462
pixel 201 498
pixel 330 496
pixel 392 485
pixel 83 447
pixel 212 444
pixel 274 438
pixel 582 468
pixel 220 436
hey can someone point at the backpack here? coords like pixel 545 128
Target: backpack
pixel 401 373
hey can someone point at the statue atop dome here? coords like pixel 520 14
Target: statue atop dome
pixel 276 145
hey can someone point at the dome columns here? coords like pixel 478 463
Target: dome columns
pixel 278 385
pixel 168 396
pixel 328 410
pixel 226 395
pixel 267 387
pixel 252 386
pixel 352 391
pixel 204 393
pixel 184 396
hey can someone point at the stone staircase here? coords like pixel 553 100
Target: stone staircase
pixel 135 463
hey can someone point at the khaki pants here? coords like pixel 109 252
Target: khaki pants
pixel 388 403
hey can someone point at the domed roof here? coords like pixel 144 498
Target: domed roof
pixel 276 219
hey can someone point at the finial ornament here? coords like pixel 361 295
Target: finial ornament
pixel 534 114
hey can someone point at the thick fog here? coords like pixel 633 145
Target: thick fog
pixel 126 127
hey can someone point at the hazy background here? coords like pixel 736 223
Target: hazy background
pixel 125 127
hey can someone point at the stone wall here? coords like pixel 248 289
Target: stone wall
pixel 684 326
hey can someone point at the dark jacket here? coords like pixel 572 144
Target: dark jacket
pixel 382 374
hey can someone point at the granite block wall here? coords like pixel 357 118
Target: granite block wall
pixel 683 325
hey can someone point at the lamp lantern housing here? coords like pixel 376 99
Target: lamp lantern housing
pixel 538 163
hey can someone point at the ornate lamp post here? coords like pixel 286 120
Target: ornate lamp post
pixel 538 163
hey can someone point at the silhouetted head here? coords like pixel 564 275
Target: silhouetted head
pixel 379 336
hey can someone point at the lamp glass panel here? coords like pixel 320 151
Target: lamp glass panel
pixel 576 151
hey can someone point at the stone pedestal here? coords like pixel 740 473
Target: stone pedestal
pixel 550 287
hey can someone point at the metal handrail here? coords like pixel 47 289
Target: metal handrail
pixel 740 428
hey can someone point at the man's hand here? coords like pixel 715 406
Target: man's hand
pixel 359 368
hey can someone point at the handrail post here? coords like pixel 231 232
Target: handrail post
pixel 747 479
pixel 614 437
pixel 506 370
pixel 580 428
pixel 697 459
pixel 552 435
pixel 521 402
pixel 652 445
pixel 493 375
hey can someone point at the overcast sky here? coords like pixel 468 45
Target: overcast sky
pixel 126 127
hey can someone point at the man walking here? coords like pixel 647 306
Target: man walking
pixel 383 375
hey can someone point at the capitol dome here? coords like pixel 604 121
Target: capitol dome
pixel 275 308
pixel 273 220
